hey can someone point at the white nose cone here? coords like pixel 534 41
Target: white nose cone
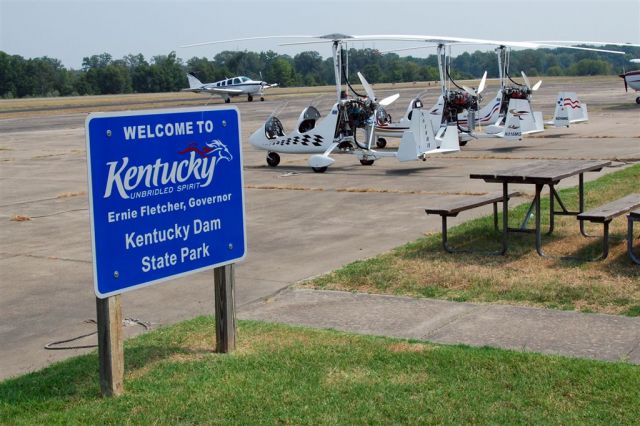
pixel 258 139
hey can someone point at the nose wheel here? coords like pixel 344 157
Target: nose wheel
pixel 250 98
pixel 367 162
pixel 261 99
pixel 638 100
pixel 273 159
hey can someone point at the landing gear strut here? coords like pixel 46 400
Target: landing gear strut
pixel 273 159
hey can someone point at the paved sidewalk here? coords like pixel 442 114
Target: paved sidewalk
pixel 595 336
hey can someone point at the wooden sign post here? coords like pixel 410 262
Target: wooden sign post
pixel 224 278
pixel 110 345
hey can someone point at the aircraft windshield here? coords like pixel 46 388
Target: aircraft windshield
pixel 244 79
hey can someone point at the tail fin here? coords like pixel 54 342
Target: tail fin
pixel 561 114
pixel 194 83
pixel 576 109
pixel 448 139
pixel 512 125
pixel 418 139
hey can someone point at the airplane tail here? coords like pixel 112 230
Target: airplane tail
pixel 529 121
pixel 569 110
pixel 448 139
pixel 418 139
pixel 513 123
pixel 194 83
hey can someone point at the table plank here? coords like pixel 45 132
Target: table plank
pixel 542 172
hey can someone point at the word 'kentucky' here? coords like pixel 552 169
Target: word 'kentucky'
pixel 128 178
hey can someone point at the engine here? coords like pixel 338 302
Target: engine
pixel 456 102
pixel 516 93
pixel 354 114
pixel 513 93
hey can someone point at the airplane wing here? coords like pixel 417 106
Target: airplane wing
pixel 213 90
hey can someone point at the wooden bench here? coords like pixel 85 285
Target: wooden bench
pixel 633 217
pixel 450 208
pixel 606 213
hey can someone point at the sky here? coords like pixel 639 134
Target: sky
pixel 70 30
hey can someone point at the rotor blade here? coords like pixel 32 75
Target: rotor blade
pixel 367 88
pixel 483 83
pixel 389 99
pixel 593 43
pixel 526 80
pixel 537 85
pixel 245 39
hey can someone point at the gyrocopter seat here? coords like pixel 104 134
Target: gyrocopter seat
pixel 273 128
pixel 308 118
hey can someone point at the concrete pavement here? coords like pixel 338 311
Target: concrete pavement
pixel 595 336
pixel 299 223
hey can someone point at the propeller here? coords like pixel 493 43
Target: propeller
pixel 367 87
pixel 372 97
pixel 389 100
pixel 526 80
pixel 481 86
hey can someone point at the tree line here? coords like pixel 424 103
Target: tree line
pixel 102 74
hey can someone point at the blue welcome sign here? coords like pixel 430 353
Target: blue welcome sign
pixel 166 194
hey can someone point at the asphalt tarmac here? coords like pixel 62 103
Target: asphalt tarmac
pixel 299 223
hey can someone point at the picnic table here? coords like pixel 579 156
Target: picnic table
pixel 542 173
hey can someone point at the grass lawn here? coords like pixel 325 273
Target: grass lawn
pixel 521 277
pixel 287 375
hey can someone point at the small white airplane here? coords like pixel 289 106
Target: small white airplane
pixel 513 98
pixel 632 79
pixel 459 106
pixel 450 104
pixel 337 131
pixel 227 88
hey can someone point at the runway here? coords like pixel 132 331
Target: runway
pixel 299 223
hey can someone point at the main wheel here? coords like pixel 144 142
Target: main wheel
pixel 228 100
pixel 273 159
pixel 367 162
pixel 261 99
pixel 319 169
pixel 463 143
pixel 250 98
pixel 381 143
pixel 638 100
